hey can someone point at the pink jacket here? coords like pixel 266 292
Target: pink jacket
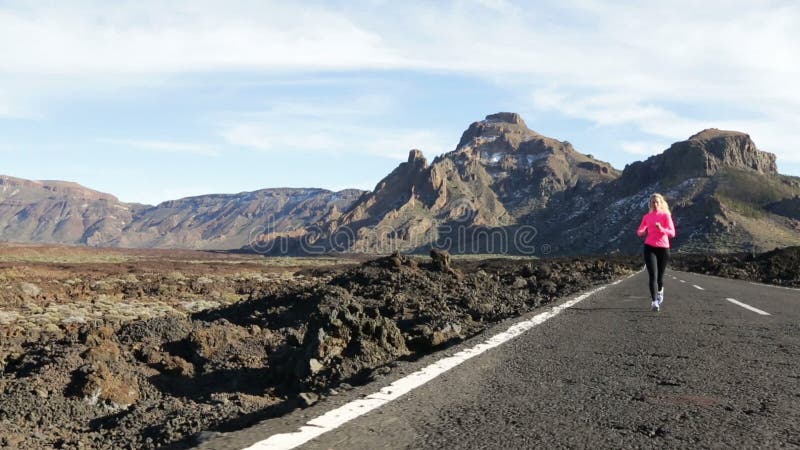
pixel 657 237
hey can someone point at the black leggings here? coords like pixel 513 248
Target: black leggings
pixel 656 260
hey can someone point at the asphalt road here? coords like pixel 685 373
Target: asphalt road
pixel 704 372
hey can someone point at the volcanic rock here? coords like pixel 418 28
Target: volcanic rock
pixel 441 260
pixel 156 383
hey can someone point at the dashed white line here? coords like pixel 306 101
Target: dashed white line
pixel 774 286
pixel 698 287
pixel 746 306
pixel 682 281
pixel 339 416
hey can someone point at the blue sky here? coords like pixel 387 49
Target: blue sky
pixel 153 101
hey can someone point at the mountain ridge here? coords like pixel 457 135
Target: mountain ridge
pixel 58 212
pixel 510 177
pixel 502 178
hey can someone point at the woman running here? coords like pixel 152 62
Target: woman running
pixel 659 228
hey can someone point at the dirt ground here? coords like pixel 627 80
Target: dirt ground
pixel 152 349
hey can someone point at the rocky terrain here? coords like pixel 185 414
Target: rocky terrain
pixel 504 189
pixel 164 378
pixel 57 212
pixel 52 289
pixel 779 267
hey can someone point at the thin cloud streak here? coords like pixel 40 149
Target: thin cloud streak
pixel 164 146
pixel 333 129
pixel 155 37
pixel 332 140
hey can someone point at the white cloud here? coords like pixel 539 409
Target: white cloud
pixel 668 69
pixel 155 37
pixel 332 138
pixel 333 128
pixel 646 46
pixel 497 5
pixel 360 106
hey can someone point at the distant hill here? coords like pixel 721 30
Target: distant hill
pixel 504 189
pixel 60 212
pixel 68 213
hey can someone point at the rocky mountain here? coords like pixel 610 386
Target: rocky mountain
pixel 726 196
pixel 503 189
pixel 703 155
pixel 68 213
pixel 60 212
pixel 230 221
pixel 500 173
pixel 506 188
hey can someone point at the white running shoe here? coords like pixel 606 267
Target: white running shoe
pixel 655 306
pixel 660 297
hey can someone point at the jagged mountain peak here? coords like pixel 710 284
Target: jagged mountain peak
pixel 505 128
pixel 506 134
pixel 501 171
pixel 704 154
pixel 504 145
pixel 713 133
pixel 417 158
pixel 732 149
pixel 506 117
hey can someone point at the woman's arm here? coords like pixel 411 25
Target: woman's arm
pixel 670 228
pixel 642 227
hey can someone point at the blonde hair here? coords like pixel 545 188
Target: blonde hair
pixel 659 203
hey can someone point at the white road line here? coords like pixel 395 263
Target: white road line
pixel 682 281
pixel 698 287
pixel 746 306
pixel 339 416
pixel 774 286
